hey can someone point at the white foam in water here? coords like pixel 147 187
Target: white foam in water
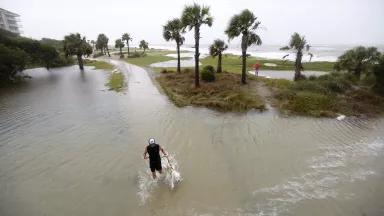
pixel 170 177
pixel 321 182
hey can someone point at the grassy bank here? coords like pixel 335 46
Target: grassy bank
pixel 231 63
pixel 98 64
pixel 325 96
pixel 225 94
pixel 116 81
pixel 151 56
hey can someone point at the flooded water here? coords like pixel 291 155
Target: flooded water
pixel 289 75
pixel 69 147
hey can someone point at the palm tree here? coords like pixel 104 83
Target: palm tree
pixel 194 16
pixel 244 24
pixel 119 44
pixel 74 44
pixel 173 30
pixel 127 37
pixel 358 60
pixel 143 45
pixel 216 49
pixel 93 44
pixel 298 43
pixel 102 43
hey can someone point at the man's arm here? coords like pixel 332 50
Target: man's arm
pixel 145 153
pixel 162 150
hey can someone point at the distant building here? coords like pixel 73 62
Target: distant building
pixel 8 21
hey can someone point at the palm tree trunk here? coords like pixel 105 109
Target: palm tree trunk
pixel 219 70
pixel 108 51
pixel 244 41
pixel 298 65
pixel 178 56
pixel 80 61
pixel 197 54
pixel 128 48
pixel 244 67
pixel 121 53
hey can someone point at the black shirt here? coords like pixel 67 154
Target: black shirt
pixel 154 153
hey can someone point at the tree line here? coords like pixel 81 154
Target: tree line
pixel 245 25
pixel 18 53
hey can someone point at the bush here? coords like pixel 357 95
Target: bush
pixel 12 61
pixel 208 74
pixel 62 61
pixel 310 103
pixel 135 55
pixel 97 55
pixel 325 84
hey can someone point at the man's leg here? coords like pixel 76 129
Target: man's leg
pixel 154 175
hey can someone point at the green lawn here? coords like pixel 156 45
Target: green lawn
pixel 151 56
pixel 99 64
pixel 116 82
pixel 231 63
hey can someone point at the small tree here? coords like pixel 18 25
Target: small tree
pixel 143 45
pixel 119 44
pixel 102 43
pixel 298 43
pixel 12 61
pixel 358 60
pixel 216 49
pixel 93 44
pixel 48 55
pixel 193 17
pixel 74 44
pixel 173 30
pixel 244 24
pixel 127 37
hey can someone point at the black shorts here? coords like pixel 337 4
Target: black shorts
pixel 155 166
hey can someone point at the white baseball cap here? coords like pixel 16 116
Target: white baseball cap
pixel 151 141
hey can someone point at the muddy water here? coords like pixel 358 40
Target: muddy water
pixel 69 147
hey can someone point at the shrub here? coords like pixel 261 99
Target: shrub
pixel 326 84
pixel 208 74
pixel 62 61
pixel 307 85
pixel 12 61
pixel 97 55
pixel 135 55
pixel 310 103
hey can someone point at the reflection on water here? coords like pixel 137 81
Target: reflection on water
pixel 68 147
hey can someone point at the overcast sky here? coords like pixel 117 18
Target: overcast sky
pixel 321 21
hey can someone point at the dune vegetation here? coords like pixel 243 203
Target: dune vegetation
pixel 225 94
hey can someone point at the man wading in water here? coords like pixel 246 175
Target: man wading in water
pixel 153 150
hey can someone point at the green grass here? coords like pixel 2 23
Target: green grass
pixel 325 96
pixel 233 63
pixel 148 59
pixel 225 94
pixel 116 82
pixel 99 64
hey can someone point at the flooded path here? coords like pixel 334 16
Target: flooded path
pixel 70 147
